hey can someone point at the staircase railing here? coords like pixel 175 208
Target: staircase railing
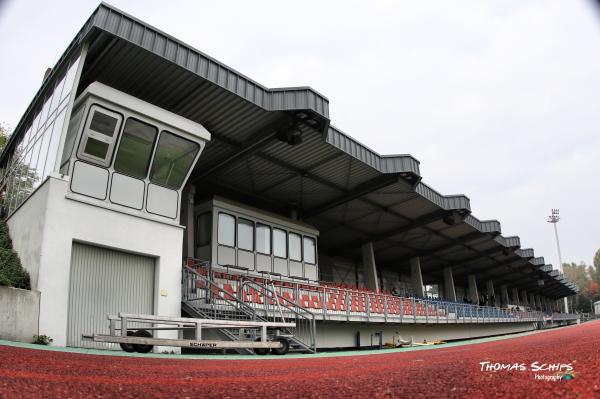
pixel 276 307
pixel 202 297
pixel 202 294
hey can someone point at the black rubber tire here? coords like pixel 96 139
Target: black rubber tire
pixel 261 351
pixel 140 348
pixel 128 347
pixel 285 346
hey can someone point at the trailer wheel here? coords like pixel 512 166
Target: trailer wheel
pixel 140 348
pixel 261 351
pixel 285 346
pixel 128 347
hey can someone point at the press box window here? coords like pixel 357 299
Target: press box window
pixel 279 243
pixel 226 234
pixel 295 249
pixel 309 250
pixel 245 234
pixel 204 229
pixel 99 135
pixel 172 160
pixel 263 239
pixel 135 148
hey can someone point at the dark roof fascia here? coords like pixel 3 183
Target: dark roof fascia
pixel 485 226
pixel 381 163
pixel 447 202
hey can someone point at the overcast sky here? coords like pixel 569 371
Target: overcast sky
pixel 499 100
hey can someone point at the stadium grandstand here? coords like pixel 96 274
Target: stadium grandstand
pixel 147 177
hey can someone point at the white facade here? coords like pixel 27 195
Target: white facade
pixel 44 229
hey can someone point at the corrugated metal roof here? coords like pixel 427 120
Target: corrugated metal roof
pixel 131 29
pixel 383 164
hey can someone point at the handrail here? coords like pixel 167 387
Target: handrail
pixel 298 312
pixel 234 302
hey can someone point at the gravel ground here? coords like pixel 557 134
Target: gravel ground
pixel 452 372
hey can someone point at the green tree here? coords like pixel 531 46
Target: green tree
pixel 12 273
pixel 4 135
pixel 584 276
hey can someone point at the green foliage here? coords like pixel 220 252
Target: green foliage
pixel 12 273
pixel 586 278
pixel 4 135
pixel 41 340
pixel 5 241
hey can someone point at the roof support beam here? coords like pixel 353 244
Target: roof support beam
pixel 460 241
pixel 361 190
pixel 414 224
pixel 255 143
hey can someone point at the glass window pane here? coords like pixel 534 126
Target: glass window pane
pixel 45 109
pixel 103 123
pixel 309 250
pixel 172 160
pixel 56 96
pixel 71 135
pixel 36 124
pixel 96 148
pixel 279 243
pixel 54 142
pixel 35 175
pixel 26 138
pixel 69 80
pixel 263 239
pixel 135 149
pixel 226 232
pixel 204 230
pixel 245 235
pixel 44 152
pixel 295 250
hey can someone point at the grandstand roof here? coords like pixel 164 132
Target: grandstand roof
pixel 349 192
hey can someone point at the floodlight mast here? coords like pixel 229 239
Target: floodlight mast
pixel 554 218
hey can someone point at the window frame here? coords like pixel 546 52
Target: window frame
pixel 290 234
pixel 234 229
pixel 197 241
pixel 155 151
pixel 314 252
pixel 248 222
pixel 285 241
pixel 89 133
pixel 152 148
pixel 270 228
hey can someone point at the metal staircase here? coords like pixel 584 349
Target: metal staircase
pixel 203 298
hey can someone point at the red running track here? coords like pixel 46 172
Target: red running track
pixel 451 372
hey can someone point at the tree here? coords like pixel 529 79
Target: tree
pixel 4 135
pixel 585 278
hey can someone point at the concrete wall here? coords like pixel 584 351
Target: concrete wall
pixel 19 313
pixel 26 226
pixel 43 231
pixel 343 334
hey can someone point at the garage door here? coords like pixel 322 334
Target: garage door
pixel 103 282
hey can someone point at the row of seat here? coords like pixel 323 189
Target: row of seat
pixel 341 300
pixel 337 301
